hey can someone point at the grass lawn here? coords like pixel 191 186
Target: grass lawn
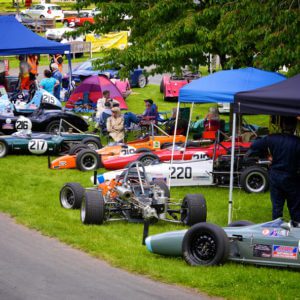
pixel 30 193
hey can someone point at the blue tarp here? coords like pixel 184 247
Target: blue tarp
pixel 223 85
pixel 16 39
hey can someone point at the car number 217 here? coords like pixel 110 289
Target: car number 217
pixel 37 146
pixel 181 172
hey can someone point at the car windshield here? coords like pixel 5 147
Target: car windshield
pixel 55 7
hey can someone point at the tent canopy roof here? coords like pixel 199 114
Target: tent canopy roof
pixel 221 86
pixel 282 98
pixel 16 39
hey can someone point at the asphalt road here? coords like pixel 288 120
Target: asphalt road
pixel 33 266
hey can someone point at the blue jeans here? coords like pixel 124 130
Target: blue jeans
pixel 129 118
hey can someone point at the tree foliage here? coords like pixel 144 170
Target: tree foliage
pixel 171 34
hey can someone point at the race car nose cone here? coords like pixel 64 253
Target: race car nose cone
pixel 148 243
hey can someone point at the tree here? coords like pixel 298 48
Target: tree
pixel 171 34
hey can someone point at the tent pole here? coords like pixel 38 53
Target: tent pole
pixel 188 130
pixel 70 71
pixel 173 146
pixel 230 202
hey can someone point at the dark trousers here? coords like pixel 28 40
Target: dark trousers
pixel 285 186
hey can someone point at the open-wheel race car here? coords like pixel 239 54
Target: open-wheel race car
pixel 131 197
pixel 274 243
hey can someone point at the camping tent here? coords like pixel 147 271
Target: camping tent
pixel 92 88
pixel 223 85
pixel 16 39
pixel 282 98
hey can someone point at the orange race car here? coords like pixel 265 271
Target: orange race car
pixel 86 160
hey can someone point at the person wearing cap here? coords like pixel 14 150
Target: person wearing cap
pixel 283 151
pixel 115 125
pixel 56 74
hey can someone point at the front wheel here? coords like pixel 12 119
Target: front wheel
pixel 87 160
pixel 205 244
pixel 3 149
pixel 71 195
pixel 255 180
pixel 193 209
pixel 54 127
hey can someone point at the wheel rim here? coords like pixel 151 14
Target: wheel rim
pixel 55 128
pixel 142 81
pixel 89 161
pixel 255 182
pixel 203 247
pixel 2 149
pixel 83 211
pixel 92 146
pixel 67 197
pixel 147 161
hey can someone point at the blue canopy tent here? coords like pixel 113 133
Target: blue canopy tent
pixel 221 87
pixel 16 39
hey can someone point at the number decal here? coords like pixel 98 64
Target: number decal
pixel 128 151
pixel 181 172
pixel 22 124
pixel 37 146
pixel 48 99
pixel 200 156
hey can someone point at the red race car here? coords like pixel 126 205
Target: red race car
pixel 214 150
pixel 170 85
pixel 79 20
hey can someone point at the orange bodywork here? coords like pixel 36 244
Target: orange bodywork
pixel 152 143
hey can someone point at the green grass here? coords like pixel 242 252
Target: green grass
pixel 30 193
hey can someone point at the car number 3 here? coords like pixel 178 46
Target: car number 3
pixel 37 146
pixel 181 172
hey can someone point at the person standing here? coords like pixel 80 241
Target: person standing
pixel 48 83
pixel 115 125
pixel 58 76
pixel 24 78
pixel 57 59
pixel 33 62
pixel 284 174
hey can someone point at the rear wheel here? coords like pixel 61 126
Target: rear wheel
pixel 77 148
pixel 3 149
pixel 71 195
pixel 54 126
pixel 193 209
pixel 148 159
pixel 92 208
pixel 255 180
pixel 205 244
pixel 87 160
pixel 92 142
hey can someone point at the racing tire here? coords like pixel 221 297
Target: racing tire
pixel 142 81
pixel 75 149
pixel 3 149
pixel 240 223
pixel 71 195
pixel 92 208
pixel 193 209
pixel 92 142
pixel 255 180
pixel 143 150
pixel 205 244
pixel 66 23
pixel 53 127
pixel 162 185
pixel 148 159
pixel 87 160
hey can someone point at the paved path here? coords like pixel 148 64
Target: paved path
pixel 33 266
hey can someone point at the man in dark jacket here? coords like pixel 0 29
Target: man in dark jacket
pixel 284 175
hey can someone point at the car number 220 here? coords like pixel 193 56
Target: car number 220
pixel 181 172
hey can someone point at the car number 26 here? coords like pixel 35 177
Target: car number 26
pixel 37 146
pixel 181 172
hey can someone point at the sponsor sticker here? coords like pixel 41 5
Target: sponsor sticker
pixel 275 232
pixel 156 144
pixel 287 252
pixel 266 231
pixel 261 250
pixel 7 126
pixel 62 163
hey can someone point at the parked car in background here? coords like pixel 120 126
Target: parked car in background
pixel 96 11
pixel 45 11
pixel 80 19
pixel 30 22
pixel 57 34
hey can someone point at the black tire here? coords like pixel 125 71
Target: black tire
pixel 205 244
pixel 53 127
pixel 193 209
pixel 66 23
pixel 77 148
pixel 3 148
pixel 162 185
pixel 148 159
pixel 87 160
pixel 143 150
pixel 92 142
pixel 71 195
pixel 255 180
pixel 92 208
pixel 142 81
pixel 241 223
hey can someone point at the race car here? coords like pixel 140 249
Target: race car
pixel 86 160
pixel 131 197
pixel 273 243
pixel 27 142
pixel 80 19
pixel 250 174
pixel 180 153
pixel 170 85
